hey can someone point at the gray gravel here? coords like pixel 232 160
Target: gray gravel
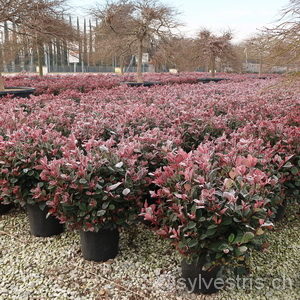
pixel 147 268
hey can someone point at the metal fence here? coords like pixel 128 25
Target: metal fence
pixel 13 68
pixel 78 68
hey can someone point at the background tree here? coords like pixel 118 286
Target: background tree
pixel 258 48
pixel 175 53
pixel 35 18
pixel 110 44
pixel 211 47
pixel 48 29
pixel 285 36
pixel 139 21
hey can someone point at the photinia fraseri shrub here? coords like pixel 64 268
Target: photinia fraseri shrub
pixel 235 146
pixel 208 209
pixel 281 144
pixel 289 175
pixel 144 154
pixel 20 153
pixel 195 132
pixel 91 190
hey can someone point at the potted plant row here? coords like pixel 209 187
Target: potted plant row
pixel 211 211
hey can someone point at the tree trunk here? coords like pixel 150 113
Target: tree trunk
pixel 213 66
pixel 1 82
pixel 40 59
pixel 122 64
pixel 206 67
pixel 139 62
pixel 260 65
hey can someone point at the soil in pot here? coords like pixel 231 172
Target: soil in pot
pixel 99 246
pixel 40 224
pixel 23 92
pixel 201 282
pixel 5 208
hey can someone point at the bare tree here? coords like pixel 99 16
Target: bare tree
pixel 36 18
pixel 47 29
pixel 285 35
pixel 138 20
pixel 211 47
pixel 110 44
pixel 258 47
pixel 176 52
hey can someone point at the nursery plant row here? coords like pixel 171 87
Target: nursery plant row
pixel 208 167
pixel 57 84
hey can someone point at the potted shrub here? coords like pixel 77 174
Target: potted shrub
pixel 211 212
pixel 91 192
pixel 292 176
pixel 20 153
pixel 288 172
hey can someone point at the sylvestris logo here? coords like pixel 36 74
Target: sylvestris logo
pixel 168 282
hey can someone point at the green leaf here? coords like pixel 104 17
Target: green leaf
pixel 223 246
pixel 105 205
pixel 82 206
pixel 83 181
pixel 181 245
pixel 203 236
pixel 231 238
pixel 247 237
pixel 42 205
pixel 192 243
pixel 294 171
pixel 211 232
pixel 212 226
pixel 191 225
pixel 243 249
pixel 226 221
pixel 288 165
pixel 236 220
pixel 112 207
pixel 101 212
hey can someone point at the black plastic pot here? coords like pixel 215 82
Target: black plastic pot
pixel 40 225
pixel 23 92
pixel 198 281
pixel 138 84
pixel 207 80
pixel 5 208
pixel 280 212
pixel 99 246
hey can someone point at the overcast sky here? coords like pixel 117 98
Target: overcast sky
pixel 243 17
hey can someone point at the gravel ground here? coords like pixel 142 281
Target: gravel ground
pixel 146 267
